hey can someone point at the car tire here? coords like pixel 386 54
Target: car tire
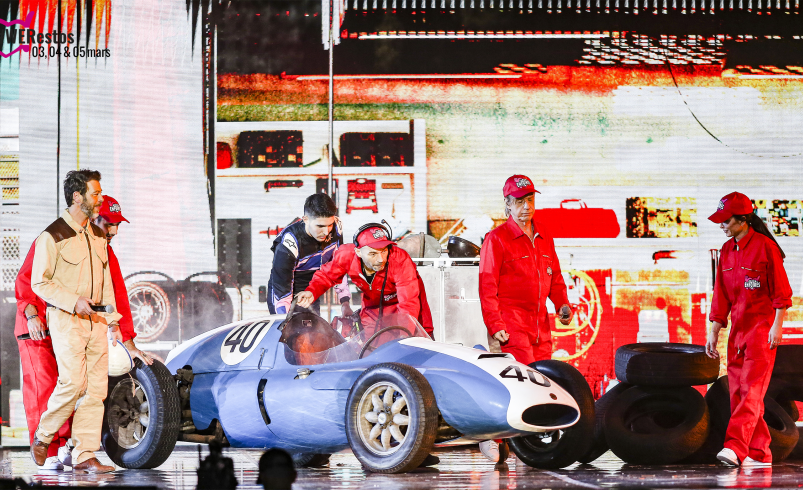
pixel 719 414
pixel 780 424
pixel 662 364
pixel 797 452
pixel 395 386
pixel 646 425
pixel 133 439
pixel 787 361
pixel 150 309
pixel 310 460
pixel 564 447
pixel 599 446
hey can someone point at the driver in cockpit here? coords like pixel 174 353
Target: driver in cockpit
pixel 383 272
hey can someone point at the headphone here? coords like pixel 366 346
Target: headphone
pixel 384 225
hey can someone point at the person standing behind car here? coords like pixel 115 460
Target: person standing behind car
pixel 109 218
pixel 752 286
pixel 301 249
pixel 71 274
pixel 519 270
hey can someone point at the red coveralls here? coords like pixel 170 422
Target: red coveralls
pixel 404 290
pixel 751 284
pixel 516 278
pixel 39 368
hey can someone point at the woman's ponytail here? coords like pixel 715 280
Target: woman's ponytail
pixel 758 225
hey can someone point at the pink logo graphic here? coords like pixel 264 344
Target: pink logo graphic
pixel 25 24
pixel 752 282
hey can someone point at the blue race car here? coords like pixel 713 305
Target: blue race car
pixel 295 383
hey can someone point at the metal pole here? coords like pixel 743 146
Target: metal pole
pixel 332 12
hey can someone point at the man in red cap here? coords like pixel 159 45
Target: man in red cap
pixel 108 220
pixel 519 270
pixel 384 273
pixel 39 367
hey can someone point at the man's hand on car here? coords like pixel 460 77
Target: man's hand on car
pixel 304 299
pixel 565 314
pixel 146 357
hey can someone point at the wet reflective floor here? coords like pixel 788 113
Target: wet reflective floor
pixel 460 468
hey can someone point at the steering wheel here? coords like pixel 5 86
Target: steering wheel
pixel 380 332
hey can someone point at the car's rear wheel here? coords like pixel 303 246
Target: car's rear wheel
pixel 391 418
pixel 142 417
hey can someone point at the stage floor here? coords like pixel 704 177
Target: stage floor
pixel 460 468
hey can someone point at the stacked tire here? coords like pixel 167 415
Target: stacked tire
pixel 654 415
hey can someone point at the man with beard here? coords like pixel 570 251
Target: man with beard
pixel 39 368
pixel 383 272
pixel 71 274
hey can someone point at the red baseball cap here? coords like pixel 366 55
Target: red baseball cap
pixel 110 210
pixel 375 237
pixel 518 186
pixel 733 203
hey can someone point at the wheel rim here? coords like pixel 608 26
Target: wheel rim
pixel 383 418
pixel 544 441
pixel 129 413
pixel 150 310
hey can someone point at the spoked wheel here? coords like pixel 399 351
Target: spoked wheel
pixel 128 413
pixel 142 417
pixel 150 310
pixel 383 418
pixel 391 418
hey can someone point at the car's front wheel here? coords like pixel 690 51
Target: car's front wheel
pixel 391 418
pixel 142 417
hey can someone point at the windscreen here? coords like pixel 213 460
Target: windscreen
pixel 305 345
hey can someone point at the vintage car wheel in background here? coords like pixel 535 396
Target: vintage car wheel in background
pixel 665 364
pixel 391 418
pixel 142 417
pixel 150 310
pixel 646 425
pixel 560 448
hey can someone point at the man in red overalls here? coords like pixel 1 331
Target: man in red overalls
pixel 39 368
pixel 519 270
pixel 374 264
pixel 752 286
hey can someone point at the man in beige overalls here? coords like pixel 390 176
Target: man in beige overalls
pixel 71 273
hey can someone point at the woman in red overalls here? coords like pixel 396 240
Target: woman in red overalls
pixel 751 285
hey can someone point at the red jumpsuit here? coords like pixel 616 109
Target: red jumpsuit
pixel 39 368
pixel 404 289
pixel 751 284
pixel 516 278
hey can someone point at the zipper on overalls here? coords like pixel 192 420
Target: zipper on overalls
pixel 538 305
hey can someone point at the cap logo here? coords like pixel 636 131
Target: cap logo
pixel 114 208
pixel 520 182
pixel 377 233
pixel 721 205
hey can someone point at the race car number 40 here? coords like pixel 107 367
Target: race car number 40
pixel 241 341
pixel 535 377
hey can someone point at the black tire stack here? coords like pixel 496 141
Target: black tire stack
pixel 655 416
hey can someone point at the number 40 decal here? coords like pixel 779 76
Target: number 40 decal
pixel 535 376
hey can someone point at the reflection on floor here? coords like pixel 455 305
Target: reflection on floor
pixel 460 468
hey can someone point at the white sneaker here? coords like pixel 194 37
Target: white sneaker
pixel 748 461
pixel 52 463
pixel 490 449
pixel 65 455
pixel 727 456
